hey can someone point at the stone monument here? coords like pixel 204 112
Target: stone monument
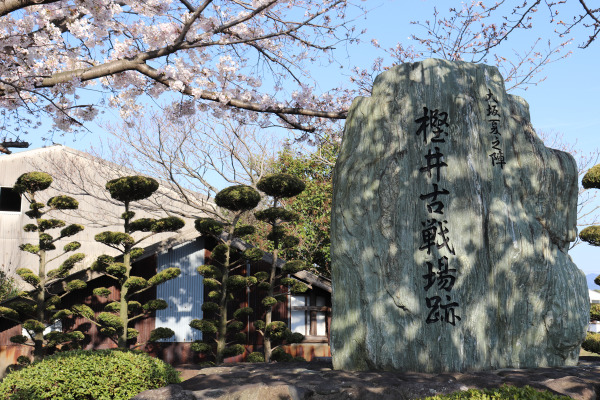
pixel 451 225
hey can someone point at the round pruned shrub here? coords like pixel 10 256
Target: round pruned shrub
pixel 255 357
pixel 280 355
pixel 238 198
pixel 591 343
pixel 281 185
pixel 505 392
pixel 97 374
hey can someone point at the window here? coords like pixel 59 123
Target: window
pixel 10 200
pixel 308 314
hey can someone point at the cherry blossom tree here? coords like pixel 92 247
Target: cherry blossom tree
pixel 246 59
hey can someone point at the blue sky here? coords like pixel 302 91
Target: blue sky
pixel 566 102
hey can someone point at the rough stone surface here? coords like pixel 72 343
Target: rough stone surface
pixel 317 381
pixel 504 225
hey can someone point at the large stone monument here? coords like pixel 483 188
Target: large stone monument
pixel 451 225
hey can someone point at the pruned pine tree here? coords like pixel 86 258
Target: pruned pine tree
pixel 39 308
pixel 117 316
pixel 221 335
pixel 278 187
pixel 591 234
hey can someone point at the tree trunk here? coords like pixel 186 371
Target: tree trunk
pixel 38 340
pixel 269 315
pixel 123 310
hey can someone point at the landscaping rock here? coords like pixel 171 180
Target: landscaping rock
pixel 451 223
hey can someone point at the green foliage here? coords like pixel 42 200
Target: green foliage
pixel 24 308
pixel 234 350
pixel 219 253
pixel 253 254
pixel 293 337
pixel 117 269
pixel 277 234
pixel 255 357
pixel 8 313
pixel 99 374
pixel 260 325
pixel 131 188
pixel 505 392
pixel 110 320
pixel 281 185
pixel 114 238
pixel 211 283
pixel 161 333
pixel 156 304
pixel 83 311
pixel 276 330
pixel 201 347
pixel 210 307
pixel 591 235
pixel 30 228
pixel 289 242
pixel 23 360
pixel 32 325
pixel 209 271
pixel 102 262
pixel 135 283
pixel 133 306
pixel 164 275
pixel 29 248
pixel 169 224
pixel 280 355
pixel 236 281
pixel 261 276
pixel 136 252
pixel 62 314
pixel 274 214
pixel 214 295
pixel 71 230
pixel 595 312
pixel 592 343
pixel 45 224
pixel 63 202
pixel 243 230
pixel 54 339
pixel 75 284
pixel 19 339
pixel 112 307
pixel 238 198
pixel 141 225
pixel 101 292
pixel 71 246
pixel 208 226
pixel 269 301
pixel 242 313
pixel 251 281
pixel 32 182
pixel 128 215
pixel 235 326
pixel 70 262
pixel 203 325
pixel 591 180
pixel 30 278
pixel 291 267
pixel 51 302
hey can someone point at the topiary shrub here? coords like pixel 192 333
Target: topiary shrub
pixel 97 374
pixel 595 312
pixel 591 343
pixel 255 357
pixel 280 355
pixel 505 392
